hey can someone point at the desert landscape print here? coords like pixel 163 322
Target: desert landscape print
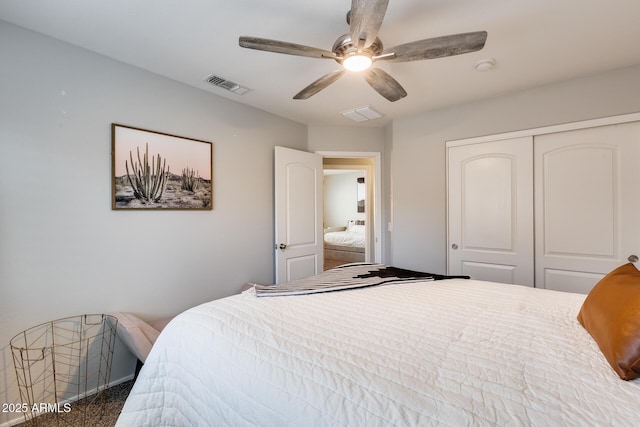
pixel 154 170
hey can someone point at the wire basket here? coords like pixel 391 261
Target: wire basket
pixel 58 363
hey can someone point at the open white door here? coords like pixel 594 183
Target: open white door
pixel 298 214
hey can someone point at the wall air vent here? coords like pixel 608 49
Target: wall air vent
pixel 226 84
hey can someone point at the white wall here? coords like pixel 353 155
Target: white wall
pixel 418 150
pixel 340 197
pixel 337 138
pixel 63 251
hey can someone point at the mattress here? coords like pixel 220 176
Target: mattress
pixel 434 353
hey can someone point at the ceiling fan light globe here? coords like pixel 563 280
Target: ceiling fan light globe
pixel 357 62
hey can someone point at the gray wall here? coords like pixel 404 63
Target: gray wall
pixel 417 146
pixel 63 251
pixel 340 196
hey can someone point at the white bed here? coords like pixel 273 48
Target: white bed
pixel 445 353
pixel 352 237
pixel 344 244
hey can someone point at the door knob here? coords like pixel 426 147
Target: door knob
pixel 454 246
pixel 633 258
pixel 282 246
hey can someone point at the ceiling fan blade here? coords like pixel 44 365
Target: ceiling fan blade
pixel 319 84
pixel 365 19
pixel 437 47
pixel 384 84
pixel 284 47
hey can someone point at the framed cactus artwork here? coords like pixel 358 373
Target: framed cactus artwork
pixel 159 171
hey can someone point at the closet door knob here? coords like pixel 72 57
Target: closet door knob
pixel 282 246
pixel 454 246
pixel 633 258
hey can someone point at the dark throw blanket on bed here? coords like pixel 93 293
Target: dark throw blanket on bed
pixel 349 276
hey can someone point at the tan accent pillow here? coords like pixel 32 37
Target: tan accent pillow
pixel 611 314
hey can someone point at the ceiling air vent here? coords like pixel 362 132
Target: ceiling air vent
pixel 226 84
pixel 361 114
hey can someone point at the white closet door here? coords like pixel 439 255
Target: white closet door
pixel 587 204
pixel 491 211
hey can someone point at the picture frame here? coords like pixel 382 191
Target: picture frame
pixel 360 195
pixel 159 171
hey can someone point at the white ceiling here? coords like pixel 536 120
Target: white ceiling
pixel 534 42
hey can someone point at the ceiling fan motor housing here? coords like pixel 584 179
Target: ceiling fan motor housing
pixel 343 48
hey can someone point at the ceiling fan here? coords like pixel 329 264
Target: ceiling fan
pixel 359 49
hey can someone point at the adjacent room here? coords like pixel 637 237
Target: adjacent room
pixel 171 172
pixel 346 211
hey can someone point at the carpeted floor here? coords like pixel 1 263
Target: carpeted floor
pixel 94 411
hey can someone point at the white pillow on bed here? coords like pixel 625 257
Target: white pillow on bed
pixel 357 229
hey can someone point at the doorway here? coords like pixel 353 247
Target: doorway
pixel 351 199
pixel 344 215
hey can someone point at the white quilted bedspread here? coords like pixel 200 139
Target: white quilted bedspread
pixel 349 238
pixel 444 353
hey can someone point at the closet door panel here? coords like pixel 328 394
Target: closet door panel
pixel 491 272
pixel 491 211
pixel 579 187
pixel 586 200
pixel 487 198
pixel 570 281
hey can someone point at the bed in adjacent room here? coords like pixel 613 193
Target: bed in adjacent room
pixel 370 345
pixel 344 244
